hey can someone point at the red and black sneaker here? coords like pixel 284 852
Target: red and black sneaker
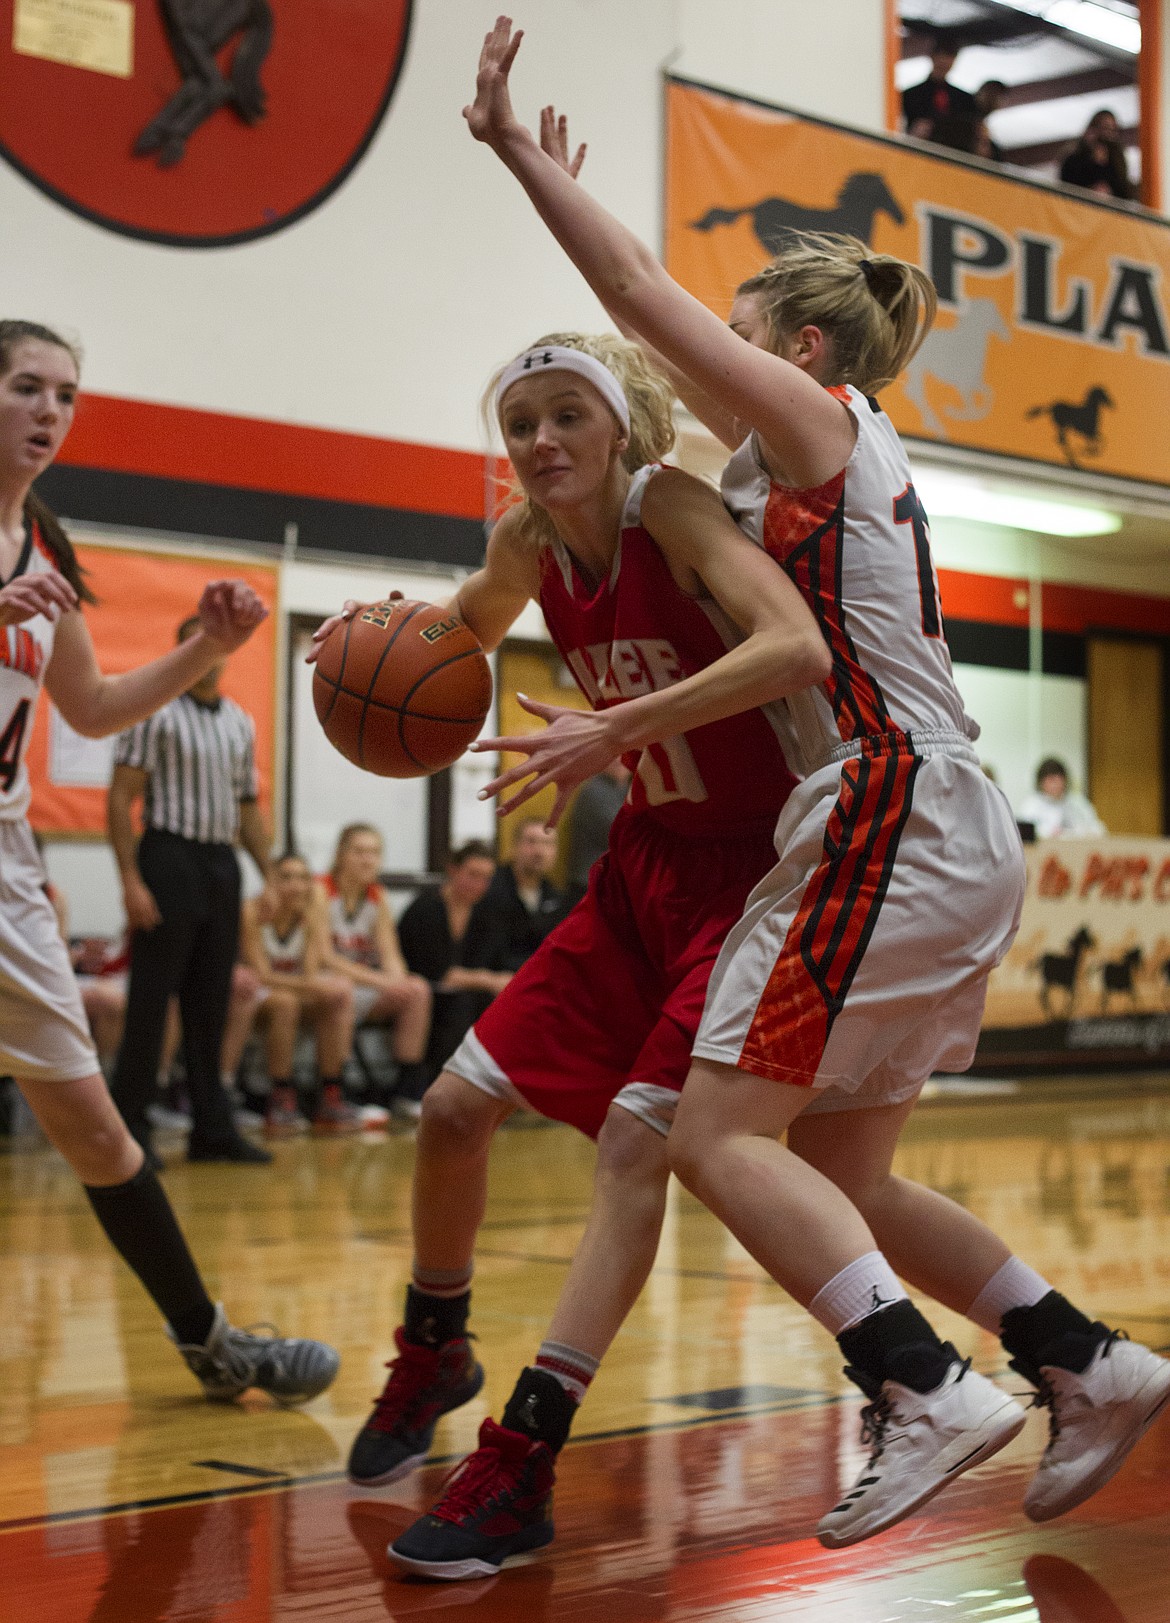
pixel 498 1504
pixel 424 1383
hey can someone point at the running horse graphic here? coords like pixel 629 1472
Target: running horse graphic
pixel 1084 421
pixel 957 356
pixel 775 220
pixel 197 31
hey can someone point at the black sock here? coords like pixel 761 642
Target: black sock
pixel 895 1343
pixel 1051 1331
pixel 541 1408
pixel 430 1321
pixel 412 1079
pixel 142 1228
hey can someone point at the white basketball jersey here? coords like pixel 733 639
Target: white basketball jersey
pixel 858 547
pixel 286 953
pixel 24 652
pixel 353 933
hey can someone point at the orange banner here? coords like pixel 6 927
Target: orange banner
pixel 142 598
pixel 1052 336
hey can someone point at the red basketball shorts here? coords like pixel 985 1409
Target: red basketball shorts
pixel 608 1007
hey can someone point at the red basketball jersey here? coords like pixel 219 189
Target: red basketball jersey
pixel 638 633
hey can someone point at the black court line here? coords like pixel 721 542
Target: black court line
pixel 283 1484
pixel 243 1470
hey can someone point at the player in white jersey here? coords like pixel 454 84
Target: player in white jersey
pixel 44 1039
pixel 364 948
pixel 286 946
pixel 862 959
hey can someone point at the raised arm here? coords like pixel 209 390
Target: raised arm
pixel 807 435
pixel 783 650
pixel 97 705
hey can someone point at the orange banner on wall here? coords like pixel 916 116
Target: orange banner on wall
pixel 1051 341
pixel 142 599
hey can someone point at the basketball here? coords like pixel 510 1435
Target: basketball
pixel 401 688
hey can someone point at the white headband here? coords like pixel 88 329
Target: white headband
pixel 558 358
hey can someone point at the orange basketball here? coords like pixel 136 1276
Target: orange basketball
pixel 401 688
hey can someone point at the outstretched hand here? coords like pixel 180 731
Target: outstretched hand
pixel 229 612
pixel 328 627
pixel 29 596
pixel 490 117
pixel 576 745
pixel 554 139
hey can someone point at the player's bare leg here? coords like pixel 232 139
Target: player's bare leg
pixel 1103 1395
pixel 407 1001
pixel 513 1468
pixel 80 1119
pixel 281 1014
pixel 329 1003
pixel 435 1370
pixel 932 1417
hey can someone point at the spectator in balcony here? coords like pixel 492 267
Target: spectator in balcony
pixel 927 104
pixel 965 132
pixel 1055 809
pixel 1097 162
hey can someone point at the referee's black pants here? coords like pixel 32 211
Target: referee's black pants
pixel 190 955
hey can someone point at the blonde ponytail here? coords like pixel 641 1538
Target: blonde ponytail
pixel 875 309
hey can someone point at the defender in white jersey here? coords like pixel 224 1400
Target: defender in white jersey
pixel 44 1040
pixel 861 959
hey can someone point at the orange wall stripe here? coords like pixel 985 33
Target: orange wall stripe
pixel 983 597
pixel 893 56
pixel 252 453
pixel 1078 609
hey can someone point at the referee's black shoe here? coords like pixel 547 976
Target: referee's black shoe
pixel 232 1148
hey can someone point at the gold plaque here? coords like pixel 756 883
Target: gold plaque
pixel 94 34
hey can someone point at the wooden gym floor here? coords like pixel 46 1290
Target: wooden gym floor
pixel 715 1435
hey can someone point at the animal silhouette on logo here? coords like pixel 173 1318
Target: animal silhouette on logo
pixel 957 356
pixel 197 31
pixel 1117 975
pixel 1083 421
pixel 776 220
pixel 1063 969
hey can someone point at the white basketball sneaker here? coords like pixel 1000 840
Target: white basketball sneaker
pixel 1095 1418
pixel 920 1442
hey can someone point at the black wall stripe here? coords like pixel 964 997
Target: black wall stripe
pixel 981 642
pixel 187 507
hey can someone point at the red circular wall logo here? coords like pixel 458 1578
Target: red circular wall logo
pixel 195 122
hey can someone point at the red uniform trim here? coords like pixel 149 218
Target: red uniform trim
pixel 826 941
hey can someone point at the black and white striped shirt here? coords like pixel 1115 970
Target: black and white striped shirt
pixel 202 763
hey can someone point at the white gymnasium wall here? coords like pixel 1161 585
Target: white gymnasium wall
pixel 386 309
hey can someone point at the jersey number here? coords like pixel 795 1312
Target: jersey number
pixel 668 771
pixel 10 742
pixel 909 510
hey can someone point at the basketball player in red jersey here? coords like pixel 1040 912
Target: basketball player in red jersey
pixel 861 962
pixel 681 634
pixel 44 1038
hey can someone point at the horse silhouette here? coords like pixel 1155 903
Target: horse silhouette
pixel 776 220
pixel 957 356
pixel 1117 975
pixel 1062 969
pixel 197 30
pixel 1084 421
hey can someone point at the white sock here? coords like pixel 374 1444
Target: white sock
pixel 856 1292
pixel 1013 1285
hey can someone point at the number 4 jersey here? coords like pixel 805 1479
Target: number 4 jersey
pixel 638 632
pixel 860 539
pixel 24 652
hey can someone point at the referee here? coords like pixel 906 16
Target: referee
pixel 195 763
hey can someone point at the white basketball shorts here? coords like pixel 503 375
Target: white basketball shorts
pixel 44 1035
pixel 860 965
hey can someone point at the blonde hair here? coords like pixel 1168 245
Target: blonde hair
pixel 649 396
pixel 346 837
pixel 874 309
